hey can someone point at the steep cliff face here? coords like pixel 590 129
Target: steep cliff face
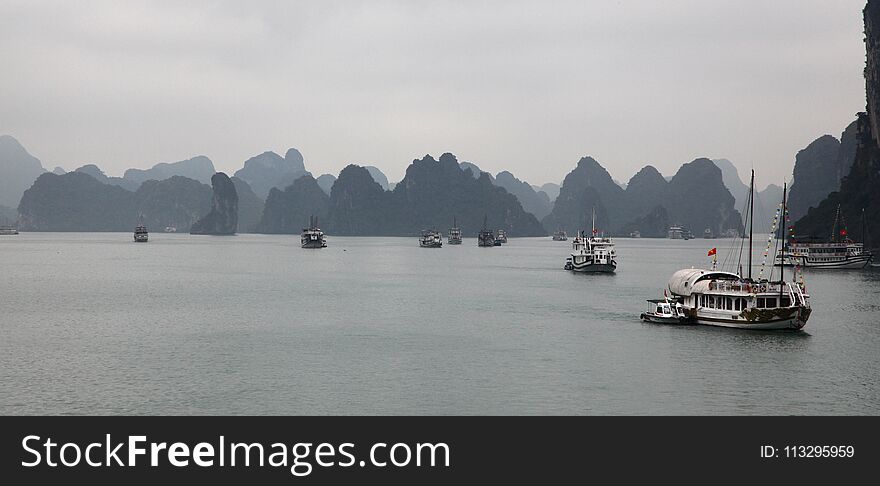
pixel 858 194
pixel 176 201
pixel 646 190
pixel 18 170
pixel 698 199
pixel 76 202
pixel 378 176
pixel 250 207
pixel 223 216
pixel 815 175
pixel 359 206
pixel 288 211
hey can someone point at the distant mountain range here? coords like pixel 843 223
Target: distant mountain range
pixel 695 198
pixel 18 170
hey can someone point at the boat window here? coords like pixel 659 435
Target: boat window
pixel 729 303
pixel 659 310
pixel 771 302
pixel 761 303
pixel 785 301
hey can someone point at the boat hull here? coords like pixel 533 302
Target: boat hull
pixel 314 244
pixel 140 239
pixel 454 242
pixel 793 318
pixel 431 245
pixel 648 317
pixel 593 268
pixel 850 263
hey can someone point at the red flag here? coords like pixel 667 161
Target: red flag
pixel 712 252
pixel 842 232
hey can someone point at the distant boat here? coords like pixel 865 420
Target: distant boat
pixel 140 234
pixel 454 237
pixel 594 254
pixel 560 236
pixel 8 230
pixel 486 236
pixel 707 234
pixel 171 229
pixel 635 234
pixel 501 237
pixel 675 232
pixel 431 239
pixel 839 253
pixel 313 237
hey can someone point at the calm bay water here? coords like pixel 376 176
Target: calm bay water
pixel 252 324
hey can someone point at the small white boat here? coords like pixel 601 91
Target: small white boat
pixel 8 230
pixel 501 237
pixel 560 236
pixel 665 311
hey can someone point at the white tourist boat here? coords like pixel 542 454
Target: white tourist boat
pixel 560 236
pixel 841 253
pixel 8 230
pixel 593 254
pixel 729 299
pixel 313 237
pixel 501 236
pixel 431 239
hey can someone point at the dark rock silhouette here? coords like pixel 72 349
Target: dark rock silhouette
pixel 250 207
pixel 223 217
pixel 76 201
pixel 858 194
pixel 288 211
pixel 815 175
pixel 359 206
pixel 18 170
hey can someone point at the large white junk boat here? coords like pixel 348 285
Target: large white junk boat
pixel 313 237
pixel 730 299
pixel 593 254
pixel 839 253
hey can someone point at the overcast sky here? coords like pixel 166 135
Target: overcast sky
pixel 525 86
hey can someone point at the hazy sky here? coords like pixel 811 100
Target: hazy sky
pixel 524 86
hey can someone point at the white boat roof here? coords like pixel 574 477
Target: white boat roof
pixel 682 282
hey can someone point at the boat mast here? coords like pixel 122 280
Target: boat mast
pixel 751 218
pixel 784 229
pixel 593 232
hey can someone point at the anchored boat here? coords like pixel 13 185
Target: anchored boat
pixel 500 237
pixel 665 311
pixel 486 236
pixel 140 234
pixel 454 237
pixel 840 253
pixel 313 237
pixel 431 239
pixel 560 236
pixel 730 299
pixel 593 254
